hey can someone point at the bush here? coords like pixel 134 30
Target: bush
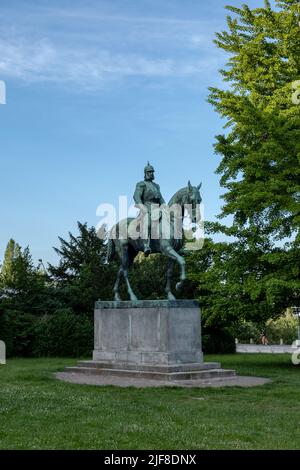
pixel 285 328
pixel 17 331
pixel 60 334
pixel 218 342
pixel 63 334
pixel 245 331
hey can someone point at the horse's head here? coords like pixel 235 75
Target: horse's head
pixel 187 200
pixel 193 201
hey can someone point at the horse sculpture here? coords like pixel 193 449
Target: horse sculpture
pixel 186 199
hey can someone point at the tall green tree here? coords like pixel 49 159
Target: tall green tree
pixel 232 283
pixel 12 253
pixel 23 288
pixel 260 152
pixel 17 272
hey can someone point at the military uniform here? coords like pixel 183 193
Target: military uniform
pixel 147 193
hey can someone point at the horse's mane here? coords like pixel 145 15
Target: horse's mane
pixel 178 196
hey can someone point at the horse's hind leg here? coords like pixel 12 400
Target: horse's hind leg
pixel 117 284
pixel 127 260
pixel 132 295
pixel 169 278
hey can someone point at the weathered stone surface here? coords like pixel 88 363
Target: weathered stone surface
pixel 154 341
pixel 154 374
pixel 148 332
pixel 164 368
pixel 120 381
pixel 180 303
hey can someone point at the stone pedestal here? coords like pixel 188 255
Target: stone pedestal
pixel 148 332
pixel 152 340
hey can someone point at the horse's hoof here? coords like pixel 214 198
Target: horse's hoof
pixel 117 298
pixel 171 296
pixel 178 285
pixel 133 298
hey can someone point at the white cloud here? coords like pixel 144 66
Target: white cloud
pixel 93 14
pixel 18 60
pixel 93 47
pixel 87 67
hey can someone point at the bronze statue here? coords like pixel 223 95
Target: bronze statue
pixel 146 194
pixel 148 198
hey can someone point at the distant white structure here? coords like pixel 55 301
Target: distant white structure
pixel 2 352
pixel 2 92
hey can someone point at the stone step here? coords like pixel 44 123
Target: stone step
pixel 165 368
pixel 152 375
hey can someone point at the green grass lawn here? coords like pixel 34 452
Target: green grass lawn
pixel 39 412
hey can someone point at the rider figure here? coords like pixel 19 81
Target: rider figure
pixel 147 193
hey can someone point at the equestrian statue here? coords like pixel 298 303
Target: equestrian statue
pixel 157 229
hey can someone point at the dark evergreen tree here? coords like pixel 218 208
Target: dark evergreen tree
pixel 82 275
pixel 84 249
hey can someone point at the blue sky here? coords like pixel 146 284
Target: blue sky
pixel 94 90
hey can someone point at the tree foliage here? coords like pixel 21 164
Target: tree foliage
pixel 22 287
pixel 82 275
pixel 260 156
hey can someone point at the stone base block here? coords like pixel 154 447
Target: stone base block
pixel 148 332
pixel 183 372
pixel 152 340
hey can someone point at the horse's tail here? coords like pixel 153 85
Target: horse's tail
pixel 111 250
